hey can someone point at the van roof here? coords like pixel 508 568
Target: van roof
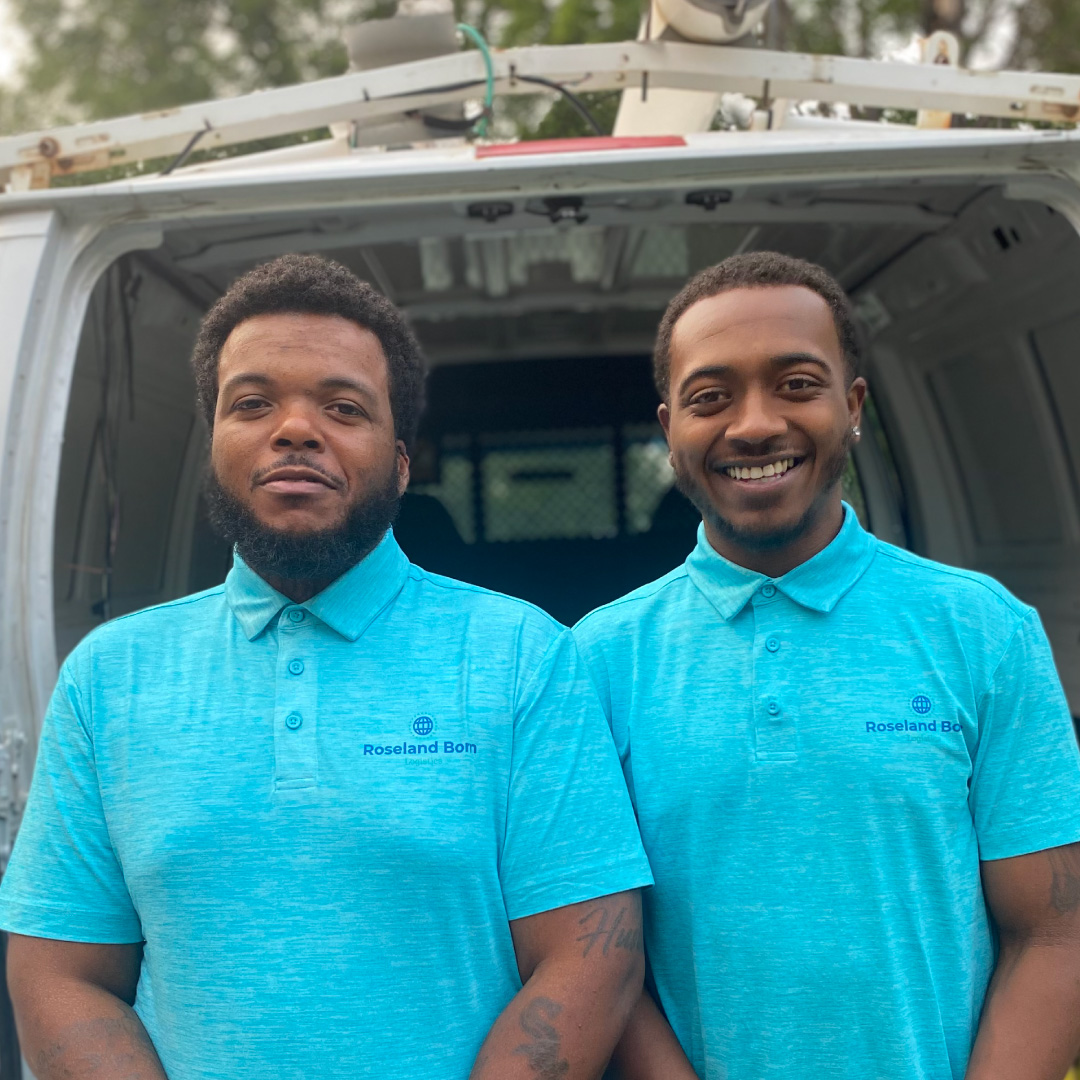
pixel 709 160
pixel 377 97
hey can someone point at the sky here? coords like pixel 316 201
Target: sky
pixel 9 43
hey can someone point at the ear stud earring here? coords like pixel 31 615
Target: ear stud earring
pixel 856 431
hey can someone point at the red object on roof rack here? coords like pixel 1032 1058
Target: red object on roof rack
pixel 580 145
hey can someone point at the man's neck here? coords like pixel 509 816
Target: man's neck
pixel 298 590
pixel 775 562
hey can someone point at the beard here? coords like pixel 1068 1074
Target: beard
pixel 759 540
pixel 320 555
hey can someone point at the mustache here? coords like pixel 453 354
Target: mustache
pixel 298 461
pixel 773 447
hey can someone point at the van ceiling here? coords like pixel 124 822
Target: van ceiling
pixel 565 274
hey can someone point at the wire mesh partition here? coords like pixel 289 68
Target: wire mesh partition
pixel 549 480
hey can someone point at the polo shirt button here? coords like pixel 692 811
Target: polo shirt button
pixel 774 707
pixel 296 667
pixel 293 721
pixel 296 615
pixel 768 590
pixel 772 644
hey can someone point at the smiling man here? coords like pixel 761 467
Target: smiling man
pixel 338 818
pixel 854 769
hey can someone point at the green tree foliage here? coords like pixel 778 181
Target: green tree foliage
pixel 871 27
pixel 534 22
pixel 95 58
pixel 844 27
pixel 1048 36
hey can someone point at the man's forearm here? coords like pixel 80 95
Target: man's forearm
pixel 583 967
pixel 556 1028
pixel 549 1033
pixel 1030 1027
pixel 648 1049
pixel 76 1031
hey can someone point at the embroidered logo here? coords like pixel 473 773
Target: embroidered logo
pixel 921 705
pixel 423 726
pixel 427 746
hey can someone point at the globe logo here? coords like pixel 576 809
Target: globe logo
pixel 921 704
pixel 423 726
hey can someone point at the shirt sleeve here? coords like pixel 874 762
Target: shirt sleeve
pixel 64 880
pixel 596 664
pixel 570 831
pixel 1025 786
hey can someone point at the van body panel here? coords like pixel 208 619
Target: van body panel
pixel 47 272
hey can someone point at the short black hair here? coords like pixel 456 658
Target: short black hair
pixel 754 270
pixel 312 285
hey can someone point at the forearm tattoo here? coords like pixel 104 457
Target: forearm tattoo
pixel 544 1049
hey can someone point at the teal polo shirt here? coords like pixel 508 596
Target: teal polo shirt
pixel 320 817
pixel 818 764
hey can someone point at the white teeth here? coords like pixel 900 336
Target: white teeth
pixel 760 472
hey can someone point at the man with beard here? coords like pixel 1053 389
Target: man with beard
pixel 339 817
pixel 854 769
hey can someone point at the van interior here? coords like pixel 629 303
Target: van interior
pixel 541 469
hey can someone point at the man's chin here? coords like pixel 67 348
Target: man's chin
pixel 771 526
pixel 760 530
pixel 299 527
pixel 302 548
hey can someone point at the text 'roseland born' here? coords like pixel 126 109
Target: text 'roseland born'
pixel 445 747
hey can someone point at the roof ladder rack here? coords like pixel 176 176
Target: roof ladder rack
pixel 376 96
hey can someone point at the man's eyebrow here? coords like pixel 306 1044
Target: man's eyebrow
pixel 776 363
pixel 788 359
pixel 245 377
pixel 253 378
pixel 710 371
pixel 341 383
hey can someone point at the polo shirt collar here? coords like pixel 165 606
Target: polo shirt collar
pixel 348 605
pixel 818 583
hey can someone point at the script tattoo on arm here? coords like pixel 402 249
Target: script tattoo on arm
pixel 1065 880
pixel 605 926
pixel 543 1051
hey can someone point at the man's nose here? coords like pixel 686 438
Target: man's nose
pixel 298 429
pixel 755 420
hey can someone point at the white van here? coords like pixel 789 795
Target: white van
pixel 535 275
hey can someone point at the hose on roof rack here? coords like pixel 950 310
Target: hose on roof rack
pixel 477 39
pixel 480 124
